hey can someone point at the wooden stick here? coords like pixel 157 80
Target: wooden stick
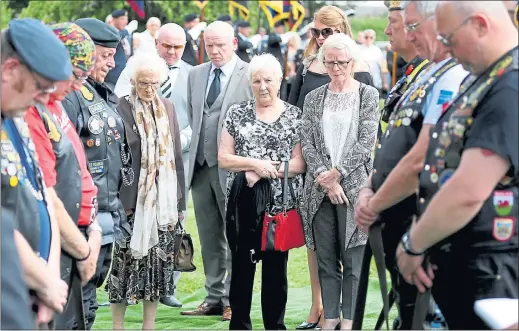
pixel 201 48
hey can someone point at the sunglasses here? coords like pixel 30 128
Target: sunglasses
pixel 326 32
pixel 447 41
pixel 169 47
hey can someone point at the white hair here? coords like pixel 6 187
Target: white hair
pixel 220 28
pixel 147 60
pixel 370 32
pixel 340 41
pixel 265 61
pixel 496 9
pixel 153 20
pixel 109 19
pixel 425 8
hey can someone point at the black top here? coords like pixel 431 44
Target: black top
pixel 312 80
pixel 400 64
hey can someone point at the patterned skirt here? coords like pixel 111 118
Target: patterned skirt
pixel 149 278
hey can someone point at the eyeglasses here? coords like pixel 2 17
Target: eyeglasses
pixel 148 84
pixel 326 32
pixel 447 41
pixel 41 86
pixel 331 64
pixel 413 26
pixel 368 37
pixel 169 47
pixel 79 79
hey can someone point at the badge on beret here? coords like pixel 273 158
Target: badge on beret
pixel 85 92
pixel 503 228
pixel 503 202
pixel 94 125
pixel 395 5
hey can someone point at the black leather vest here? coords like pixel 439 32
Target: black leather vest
pixel 401 134
pixel 494 228
pixel 102 134
pixel 68 187
pixel 17 196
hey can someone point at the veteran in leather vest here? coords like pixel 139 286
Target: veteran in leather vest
pixel 469 184
pixel 28 77
pixel 92 111
pixel 390 193
pixel 212 88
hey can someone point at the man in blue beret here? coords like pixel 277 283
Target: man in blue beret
pixel 92 111
pixel 124 49
pixel 33 61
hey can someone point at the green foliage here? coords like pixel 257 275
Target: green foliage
pixel 376 23
pixel 6 14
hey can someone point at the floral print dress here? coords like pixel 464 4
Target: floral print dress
pixel 274 141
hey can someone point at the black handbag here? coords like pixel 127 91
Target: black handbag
pixel 183 250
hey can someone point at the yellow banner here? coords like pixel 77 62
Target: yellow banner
pixel 273 11
pixel 298 14
pixel 201 3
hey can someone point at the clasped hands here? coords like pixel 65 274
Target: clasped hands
pixel 330 182
pixel 262 169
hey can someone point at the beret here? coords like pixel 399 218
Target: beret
pixel 118 13
pixel 279 23
pixel 224 18
pixel 80 46
pixel 243 24
pixel 394 5
pixel 101 33
pixel 40 49
pixel 190 17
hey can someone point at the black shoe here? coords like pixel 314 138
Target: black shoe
pixel 308 325
pixel 171 301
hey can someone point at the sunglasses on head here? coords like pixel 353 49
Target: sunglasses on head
pixel 175 47
pixel 326 32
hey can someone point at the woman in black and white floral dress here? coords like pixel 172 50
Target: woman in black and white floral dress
pixel 260 138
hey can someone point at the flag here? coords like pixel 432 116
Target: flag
pixel 274 11
pixel 298 14
pixel 138 7
pixel 201 3
pixel 242 8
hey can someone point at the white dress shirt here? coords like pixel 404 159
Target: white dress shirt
pixel 225 75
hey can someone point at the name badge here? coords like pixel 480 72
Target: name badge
pixel 96 167
pixel 96 108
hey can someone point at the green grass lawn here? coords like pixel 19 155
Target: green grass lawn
pixel 191 292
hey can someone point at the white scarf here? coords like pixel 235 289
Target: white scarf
pixel 157 191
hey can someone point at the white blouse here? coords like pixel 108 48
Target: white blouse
pixel 336 121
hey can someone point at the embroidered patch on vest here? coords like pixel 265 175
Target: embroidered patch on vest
pixel 86 93
pixel 96 108
pixel 53 134
pixel 503 228
pixel 503 202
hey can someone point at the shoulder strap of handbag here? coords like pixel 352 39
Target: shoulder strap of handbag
pixel 286 188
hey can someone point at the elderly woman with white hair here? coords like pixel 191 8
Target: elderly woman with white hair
pixel 260 139
pixel 143 260
pixel 338 133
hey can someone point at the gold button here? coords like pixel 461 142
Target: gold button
pixel 427 167
pixel 435 135
pixel 422 200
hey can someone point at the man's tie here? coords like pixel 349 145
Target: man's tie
pixel 166 88
pixel 214 90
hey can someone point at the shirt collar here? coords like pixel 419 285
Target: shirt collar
pixel 227 68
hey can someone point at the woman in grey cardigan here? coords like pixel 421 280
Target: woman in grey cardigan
pixel 340 122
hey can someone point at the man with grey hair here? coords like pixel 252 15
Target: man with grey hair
pixel 148 37
pixel 170 45
pixel 468 189
pixel 224 82
pixel 395 177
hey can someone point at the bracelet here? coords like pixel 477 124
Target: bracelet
pixel 86 258
pixel 406 244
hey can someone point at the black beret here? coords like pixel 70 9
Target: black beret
pixel 119 12
pixel 279 23
pixel 40 49
pixel 101 33
pixel 190 17
pixel 243 24
pixel 224 18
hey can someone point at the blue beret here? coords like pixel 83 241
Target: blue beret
pixel 101 33
pixel 40 49
pixel 118 13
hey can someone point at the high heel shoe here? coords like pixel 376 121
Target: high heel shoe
pixel 309 325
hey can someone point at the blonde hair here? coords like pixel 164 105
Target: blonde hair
pixel 331 16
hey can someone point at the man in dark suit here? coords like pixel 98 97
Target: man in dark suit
pixel 245 47
pixel 275 47
pixel 191 51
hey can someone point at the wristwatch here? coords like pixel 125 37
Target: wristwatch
pixel 406 243
pixel 94 227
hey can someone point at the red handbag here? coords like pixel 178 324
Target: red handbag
pixel 283 231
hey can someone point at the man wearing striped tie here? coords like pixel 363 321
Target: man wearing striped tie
pixel 170 44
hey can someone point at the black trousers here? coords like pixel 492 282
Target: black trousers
pixel 90 304
pixel 461 280
pixel 274 289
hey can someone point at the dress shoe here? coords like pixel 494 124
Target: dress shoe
pixel 205 309
pixel 308 325
pixel 227 313
pixel 171 301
